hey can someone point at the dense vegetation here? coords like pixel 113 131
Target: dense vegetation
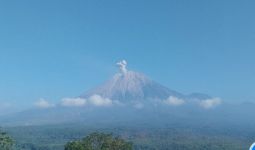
pixel 99 141
pixel 55 137
pixel 6 143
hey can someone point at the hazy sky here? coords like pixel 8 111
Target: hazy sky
pixel 54 48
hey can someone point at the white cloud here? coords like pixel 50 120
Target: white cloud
pixel 138 105
pixel 8 107
pixel 94 100
pixel 174 101
pixel 118 103
pixel 70 102
pixel 97 100
pixel 4 105
pixel 210 103
pixel 42 103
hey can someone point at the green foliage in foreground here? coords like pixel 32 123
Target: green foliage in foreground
pixel 55 137
pixel 99 141
pixel 6 143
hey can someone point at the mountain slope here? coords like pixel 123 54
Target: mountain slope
pixel 132 86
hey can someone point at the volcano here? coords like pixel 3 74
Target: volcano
pixel 120 97
pixel 128 86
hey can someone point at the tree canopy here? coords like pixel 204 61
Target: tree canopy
pixel 99 141
pixel 6 143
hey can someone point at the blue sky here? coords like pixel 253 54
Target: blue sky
pixel 54 48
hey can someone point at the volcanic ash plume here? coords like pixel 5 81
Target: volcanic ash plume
pixel 122 65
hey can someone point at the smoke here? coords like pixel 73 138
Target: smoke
pixel 210 103
pixel 122 66
pixel 42 103
pixel 94 100
pixel 174 101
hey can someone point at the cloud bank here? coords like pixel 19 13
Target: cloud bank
pixel 78 102
pixel 138 105
pixel 5 105
pixel 94 100
pixel 42 103
pixel 97 100
pixel 210 103
pixel 174 101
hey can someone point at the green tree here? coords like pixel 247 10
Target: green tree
pixel 6 143
pixel 76 145
pixel 99 141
